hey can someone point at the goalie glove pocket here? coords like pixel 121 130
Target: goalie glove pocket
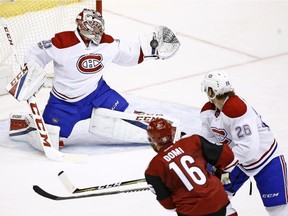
pixel 162 43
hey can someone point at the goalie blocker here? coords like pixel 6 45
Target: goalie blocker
pixel 28 82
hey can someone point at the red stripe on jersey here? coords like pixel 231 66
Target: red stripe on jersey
pixel 234 107
pixel 65 39
pixel 62 96
pixel 141 57
pixel 284 168
pixel 231 166
pixel 263 156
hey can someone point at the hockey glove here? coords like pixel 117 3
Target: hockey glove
pixel 225 178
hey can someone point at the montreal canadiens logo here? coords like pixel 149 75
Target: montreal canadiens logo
pixel 91 63
pixel 221 135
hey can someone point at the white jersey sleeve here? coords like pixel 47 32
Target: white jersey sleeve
pixel 38 53
pixel 128 52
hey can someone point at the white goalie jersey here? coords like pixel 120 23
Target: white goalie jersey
pixel 241 127
pixel 78 68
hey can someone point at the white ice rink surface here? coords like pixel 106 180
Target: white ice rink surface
pixel 249 39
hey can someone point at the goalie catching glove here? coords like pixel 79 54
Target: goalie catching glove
pixel 28 82
pixel 161 43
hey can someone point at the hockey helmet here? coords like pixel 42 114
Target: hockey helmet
pixel 91 25
pixel 218 81
pixel 160 131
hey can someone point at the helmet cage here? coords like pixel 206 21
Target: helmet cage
pixel 91 25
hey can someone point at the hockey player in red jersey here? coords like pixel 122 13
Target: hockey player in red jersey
pixel 178 174
pixel 80 59
pixel 229 119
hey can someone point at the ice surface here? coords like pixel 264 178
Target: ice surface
pixel 246 38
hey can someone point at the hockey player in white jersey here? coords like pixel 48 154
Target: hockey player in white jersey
pixel 230 120
pixel 80 59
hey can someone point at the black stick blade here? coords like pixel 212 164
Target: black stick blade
pixel 43 193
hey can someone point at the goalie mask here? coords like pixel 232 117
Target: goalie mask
pixel 91 25
pixel 218 81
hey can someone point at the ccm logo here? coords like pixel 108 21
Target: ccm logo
pixel 270 195
pixel 90 64
pixel 19 76
pixel 8 35
pixel 40 125
pixel 148 118
pixel 221 135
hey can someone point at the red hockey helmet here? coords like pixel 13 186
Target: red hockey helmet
pixel 160 131
pixel 91 25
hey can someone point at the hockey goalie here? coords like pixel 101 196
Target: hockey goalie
pixel 80 58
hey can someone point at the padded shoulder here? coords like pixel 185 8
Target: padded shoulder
pixel 65 39
pixel 208 106
pixel 234 107
pixel 107 39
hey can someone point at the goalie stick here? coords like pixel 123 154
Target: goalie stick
pixel 45 194
pixel 74 190
pixel 14 88
pixel 49 150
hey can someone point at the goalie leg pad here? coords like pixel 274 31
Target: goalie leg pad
pixel 117 128
pixel 130 127
pixel 23 129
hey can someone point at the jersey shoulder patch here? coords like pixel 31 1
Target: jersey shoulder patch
pixel 208 106
pixel 107 39
pixel 234 107
pixel 65 39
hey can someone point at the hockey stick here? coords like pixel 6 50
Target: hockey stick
pixel 14 87
pixel 74 190
pixel 45 194
pixel 49 150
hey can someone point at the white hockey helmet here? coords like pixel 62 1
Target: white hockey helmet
pixel 218 81
pixel 91 25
